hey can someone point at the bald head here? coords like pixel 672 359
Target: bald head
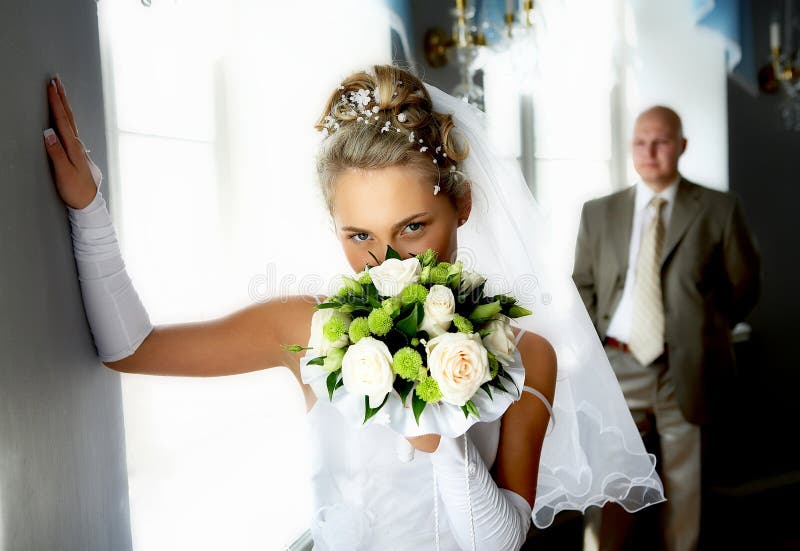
pixel 663 114
pixel 658 143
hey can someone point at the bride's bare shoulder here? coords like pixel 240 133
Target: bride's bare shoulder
pixel 540 361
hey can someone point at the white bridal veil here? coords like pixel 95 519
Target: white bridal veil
pixel 593 453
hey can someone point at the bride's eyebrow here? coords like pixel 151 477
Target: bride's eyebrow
pixel 400 224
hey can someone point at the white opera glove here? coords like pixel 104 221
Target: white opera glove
pixel 501 517
pixel 117 319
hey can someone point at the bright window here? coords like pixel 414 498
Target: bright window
pixel 210 108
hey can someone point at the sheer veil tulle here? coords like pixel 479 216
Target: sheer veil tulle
pixel 593 453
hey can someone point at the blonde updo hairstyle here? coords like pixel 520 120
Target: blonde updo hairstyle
pixel 356 145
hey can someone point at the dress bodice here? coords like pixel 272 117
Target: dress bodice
pixel 365 496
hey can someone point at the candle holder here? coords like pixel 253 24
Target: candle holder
pixel 782 74
pixel 437 43
pixel 464 41
pixel 786 69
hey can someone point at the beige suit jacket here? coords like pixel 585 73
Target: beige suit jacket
pixel 710 278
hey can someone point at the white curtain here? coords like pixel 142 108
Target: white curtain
pixel 210 108
pixel 591 67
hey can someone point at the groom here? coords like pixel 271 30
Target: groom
pixel 666 268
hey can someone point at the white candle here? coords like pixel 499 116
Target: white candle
pixel 774 35
pixel 509 6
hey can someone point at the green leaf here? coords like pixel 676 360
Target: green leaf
pixel 417 405
pixel 488 390
pixel 331 383
pixel 391 253
pixel 409 324
pixel 403 387
pixel 465 410
pixel 368 411
pixel 372 296
pixel 475 294
pixel 375 258
pixel 472 408
pixel 453 281
pixel 505 299
pixel 325 305
pixel 502 373
pixel 319 360
pixel 497 383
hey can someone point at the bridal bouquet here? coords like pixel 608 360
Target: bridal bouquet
pixel 415 332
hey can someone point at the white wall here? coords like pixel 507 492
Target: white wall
pixel 678 64
pixel 63 483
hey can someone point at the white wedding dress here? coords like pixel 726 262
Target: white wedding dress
pixel 365 497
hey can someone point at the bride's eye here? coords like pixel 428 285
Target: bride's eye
pixel 415 227
pixel 359 237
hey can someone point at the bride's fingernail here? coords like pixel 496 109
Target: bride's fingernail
pixel 53 83
pixel 50 136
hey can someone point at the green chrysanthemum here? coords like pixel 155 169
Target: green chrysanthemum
pixel 439 273
pixel 334 328
pixel 359 328
pixel 379 322
pixel 462 324
pixel 365 278
pixel 407 363
pixel 414 293
pixel 414 341
pixel 428 390
pixel 392 306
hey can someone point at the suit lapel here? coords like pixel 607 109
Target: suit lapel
pixel 622 213
pixel 687 205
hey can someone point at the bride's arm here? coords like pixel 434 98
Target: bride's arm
pixel 249 339
pixel 501 506
pixel 126 340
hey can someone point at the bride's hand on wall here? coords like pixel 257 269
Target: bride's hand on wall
pixel 77 177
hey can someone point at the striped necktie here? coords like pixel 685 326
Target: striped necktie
pixel 647 330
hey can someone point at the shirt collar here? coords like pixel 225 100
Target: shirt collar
pixel 644 193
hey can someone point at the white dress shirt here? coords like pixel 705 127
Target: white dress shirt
pixel 620 325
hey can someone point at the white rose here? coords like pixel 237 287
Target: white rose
pixel 500 341
pixel 394 274
pixel 460 365
pixel 367 370
pixel 439 307
pixel 469 281
pixel 317 340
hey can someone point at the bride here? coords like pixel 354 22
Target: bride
pixel 401 164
